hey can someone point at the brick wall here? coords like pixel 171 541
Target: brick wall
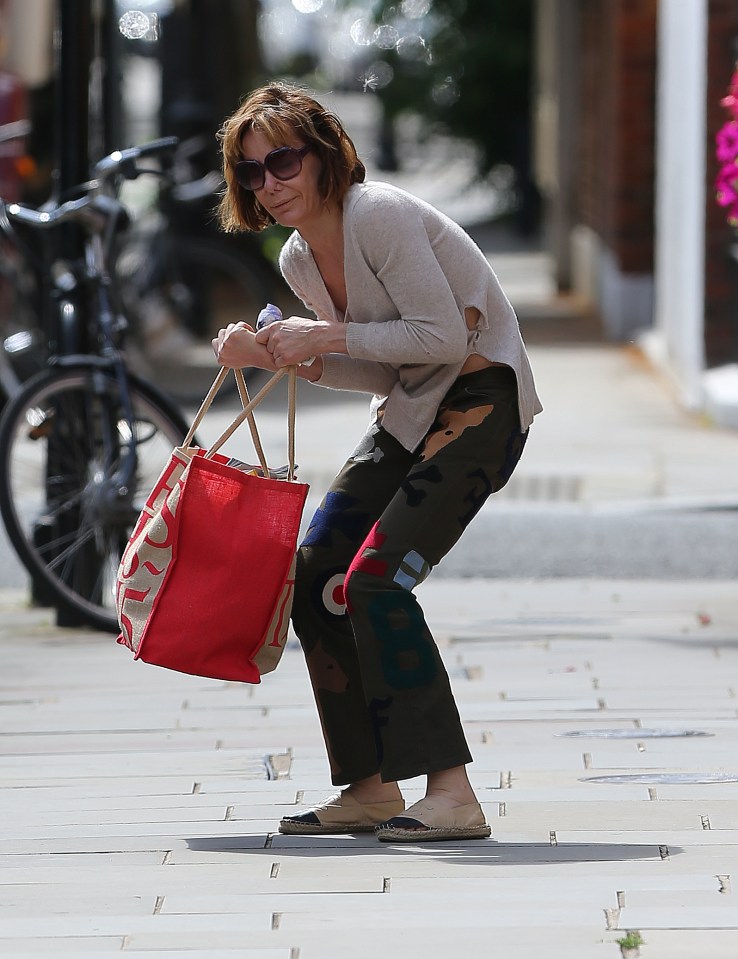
pixel 721 274
pixel 617 138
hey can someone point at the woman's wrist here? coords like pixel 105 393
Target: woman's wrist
pixel 311 372
pixel 330 338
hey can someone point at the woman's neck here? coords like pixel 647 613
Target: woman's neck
pixel 324 235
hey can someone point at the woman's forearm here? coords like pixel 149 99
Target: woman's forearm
pixel 330 338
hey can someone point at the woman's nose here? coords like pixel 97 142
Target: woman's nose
pixel 270 181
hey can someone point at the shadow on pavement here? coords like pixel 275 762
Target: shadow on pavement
pixel 489 852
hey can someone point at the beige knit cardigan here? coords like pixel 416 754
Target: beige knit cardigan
pixel 410 273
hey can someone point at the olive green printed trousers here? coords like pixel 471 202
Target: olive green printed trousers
pixel 390 516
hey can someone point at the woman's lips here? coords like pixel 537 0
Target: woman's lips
pixel 276 207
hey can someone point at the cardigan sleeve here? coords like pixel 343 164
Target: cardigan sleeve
pixel 341 372
pixel 394 243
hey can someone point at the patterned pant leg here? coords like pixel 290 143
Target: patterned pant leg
pixel 358 495
pixel 470 453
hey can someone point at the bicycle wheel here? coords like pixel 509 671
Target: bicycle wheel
pixel 178 292
pixel 62 439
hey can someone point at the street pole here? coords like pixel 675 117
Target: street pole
pixel 73 46
pixel 68 327
pixel 72 56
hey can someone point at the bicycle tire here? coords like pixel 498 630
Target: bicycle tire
pixel 176 306
pixel 54 466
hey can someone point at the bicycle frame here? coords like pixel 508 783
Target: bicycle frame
pixel 101 216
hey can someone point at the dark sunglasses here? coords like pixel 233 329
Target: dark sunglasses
pixel 284 163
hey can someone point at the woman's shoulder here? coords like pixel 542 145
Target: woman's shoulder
pixel 382 209
pixel 376 196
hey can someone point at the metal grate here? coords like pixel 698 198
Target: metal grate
pixel 547 489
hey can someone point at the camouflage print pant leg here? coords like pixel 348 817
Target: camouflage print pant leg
pixel 382 691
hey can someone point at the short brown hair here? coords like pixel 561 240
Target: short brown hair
pixel 282 111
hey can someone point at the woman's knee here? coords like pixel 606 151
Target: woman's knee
pixel 318 589
pixel 360 589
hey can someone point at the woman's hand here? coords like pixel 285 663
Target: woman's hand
pixel 294 340
pixel 236 346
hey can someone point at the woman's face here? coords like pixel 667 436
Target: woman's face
pixel 295 202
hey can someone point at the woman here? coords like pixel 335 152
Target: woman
pixel 409 310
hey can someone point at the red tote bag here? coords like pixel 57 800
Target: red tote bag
pixel 205 584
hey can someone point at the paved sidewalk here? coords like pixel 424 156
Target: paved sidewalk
pixel 139 807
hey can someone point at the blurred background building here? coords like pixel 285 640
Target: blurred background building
pixel 591 122
pixel 627 107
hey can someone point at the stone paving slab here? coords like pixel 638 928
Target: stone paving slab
pixel 122 924
pixel 677 814
pixel 19 903
pixel 573 942
pixel 193 801
pixel 41 947
pixel 156 842
pixel 687 944
pixel 691 916
pixel 94 951
pixel 720 842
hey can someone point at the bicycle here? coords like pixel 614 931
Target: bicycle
pixel 181 279
pixel 83 442
pixel 21 343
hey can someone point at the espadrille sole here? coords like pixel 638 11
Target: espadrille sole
pixel 289 827
pixel 431 834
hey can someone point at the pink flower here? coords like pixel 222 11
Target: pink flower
pixel 730 103
pixel 726 152
pixel 726 141
pixel 732 214
pixel 727 179
pixel 726 185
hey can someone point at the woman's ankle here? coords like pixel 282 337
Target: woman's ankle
pixel 373 790
pixel 451 786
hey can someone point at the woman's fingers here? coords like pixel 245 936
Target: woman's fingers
pixel 230 338
pixel 236 347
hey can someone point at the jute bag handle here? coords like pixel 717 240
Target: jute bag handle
pixel 245 400
pixel 246 414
